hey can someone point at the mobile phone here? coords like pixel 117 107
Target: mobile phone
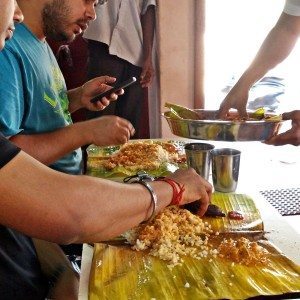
pixel 115 88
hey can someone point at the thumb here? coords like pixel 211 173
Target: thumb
pixel 287 115
pixel 143 74
pixel 107 79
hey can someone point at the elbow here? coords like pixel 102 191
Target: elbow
pixel 70 231
pixel 68 235
pixel 288 25
pixel 74 230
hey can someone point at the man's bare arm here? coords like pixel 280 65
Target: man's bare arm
pixel 49 147
pixel 61 208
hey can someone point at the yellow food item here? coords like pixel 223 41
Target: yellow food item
pixel 243 251
pixel 259 113
pixel 274 118
pixel 142 156
pixel 175 232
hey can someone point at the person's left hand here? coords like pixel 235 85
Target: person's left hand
pixel 147 74
pixel 291 136
pixel 95 87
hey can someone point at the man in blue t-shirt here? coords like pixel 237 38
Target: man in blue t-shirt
pixel 33 88
pixel 25 272
pixel 36 201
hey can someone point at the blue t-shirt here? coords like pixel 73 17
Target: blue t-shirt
pixel 33 93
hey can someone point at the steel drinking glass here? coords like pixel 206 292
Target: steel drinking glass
pixel 225 169
pixel 198 157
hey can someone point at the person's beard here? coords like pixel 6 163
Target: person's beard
pixel 55 16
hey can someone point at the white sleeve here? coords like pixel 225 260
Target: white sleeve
pixel 292 7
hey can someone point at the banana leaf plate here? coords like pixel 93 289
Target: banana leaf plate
pixel 120 273
pixel 96 155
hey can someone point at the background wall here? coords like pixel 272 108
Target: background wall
pixel 179 22
pixel 234 30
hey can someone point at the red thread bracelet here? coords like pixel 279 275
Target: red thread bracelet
pixel 178 189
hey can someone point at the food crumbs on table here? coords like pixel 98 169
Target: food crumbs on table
pixel 187 285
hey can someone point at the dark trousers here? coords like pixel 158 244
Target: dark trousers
pixel 128 106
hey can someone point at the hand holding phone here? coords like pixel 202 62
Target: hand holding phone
pixel 114 89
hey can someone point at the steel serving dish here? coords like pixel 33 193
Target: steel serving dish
pixel 210 128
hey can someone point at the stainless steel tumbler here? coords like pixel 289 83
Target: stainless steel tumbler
pixel 198 157
pixel 225 169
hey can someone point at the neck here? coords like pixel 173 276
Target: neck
pixel 33 17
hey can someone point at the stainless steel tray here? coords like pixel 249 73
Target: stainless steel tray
pixel 210 128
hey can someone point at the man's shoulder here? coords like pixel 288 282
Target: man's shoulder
pixel 17 49
pixel 11 46
pixel 15 46
pixel 22 39
pixel 9 56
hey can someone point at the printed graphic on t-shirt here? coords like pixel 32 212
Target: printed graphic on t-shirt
pixel 58 98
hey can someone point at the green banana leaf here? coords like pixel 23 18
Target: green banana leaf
pixel 120 273
pixel 119 171
pixel 181 112
pixel 261 114
pixel 236 202
pixel 97 154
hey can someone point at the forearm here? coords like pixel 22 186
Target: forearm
pixel 126 209
pixel 276 47
pixel 148 26
pixel 49 147
pixel 66 209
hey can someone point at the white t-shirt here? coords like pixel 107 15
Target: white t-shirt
pixel 118 25
pixel 292 7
